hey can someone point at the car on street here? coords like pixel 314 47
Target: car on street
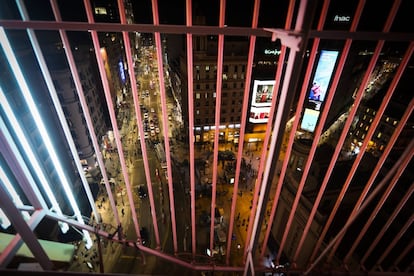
pixel 142 191
pixel 144 236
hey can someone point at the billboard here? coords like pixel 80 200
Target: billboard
pixel 122 74
pixel 318 89
pixel 310 118
pixel 261 101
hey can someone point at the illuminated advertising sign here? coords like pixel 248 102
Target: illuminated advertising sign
pixel 318 88
pixel 261 101
pixel 121 71
pixel 259 115
pixel 310 118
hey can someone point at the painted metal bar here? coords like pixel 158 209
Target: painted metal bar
pixel 304 93
pixel 342 138
pixel 24 143
pixel 9 252
pixel 21 227
pixel 198 30
pixel 293 45
pixel 379 165
pixel 406 155
pixel 137 109
pixel 58 108
pixel 393 139
pixel 17 165
pixel 344 133
pixel 46 139
pixel 278 77
pixel 165 125
pixel 369 221
pixel 385 227
pixel 403 254
pixel 190 96
pixel 142 28
pixel 397 237
pixel 112 115
pixel 268 133
pixel 220 54
pixel 243 123
pixel 81 96
pixel 317 135
pixel 373 126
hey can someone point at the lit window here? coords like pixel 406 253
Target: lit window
pixel 224 76
pixel 388 119
pixel 379 135
pixel 207 68
pixel 394 123
pixel 197 95
pixel 100 10
pixel 366 128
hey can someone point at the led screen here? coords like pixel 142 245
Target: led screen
pixel 310 118
pixel 318 89
pixel 261 101
pixel 323 74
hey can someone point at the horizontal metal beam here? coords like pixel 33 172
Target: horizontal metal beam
pixel 198 30
pixel 143 28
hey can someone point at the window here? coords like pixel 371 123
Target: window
pixel 197 72
pixel 197 95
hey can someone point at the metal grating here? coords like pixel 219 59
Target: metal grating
pixel 358 221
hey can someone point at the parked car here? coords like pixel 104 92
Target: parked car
pixel 144 236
